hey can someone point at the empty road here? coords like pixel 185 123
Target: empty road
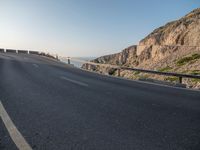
pixel 52 106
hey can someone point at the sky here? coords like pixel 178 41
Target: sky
pixel 82 28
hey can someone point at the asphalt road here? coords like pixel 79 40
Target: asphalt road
pixel 58 107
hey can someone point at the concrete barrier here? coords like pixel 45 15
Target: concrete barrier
pixel 34 52
pixel 2 50
pixel 11 51
pixel 22 51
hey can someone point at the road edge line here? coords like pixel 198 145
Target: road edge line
pixel 14 133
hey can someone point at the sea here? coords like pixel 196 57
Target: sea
pixel 79 61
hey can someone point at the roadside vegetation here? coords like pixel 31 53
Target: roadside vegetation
pixel 195 72
pixel 165 69
pixel 187 59
pixel 171 79
pixel 141 76
pixel 136 72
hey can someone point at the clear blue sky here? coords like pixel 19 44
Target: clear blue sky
pixel 84 27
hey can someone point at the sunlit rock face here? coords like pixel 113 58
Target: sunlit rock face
pixel 184 31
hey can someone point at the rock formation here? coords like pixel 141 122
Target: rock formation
pixel 174 47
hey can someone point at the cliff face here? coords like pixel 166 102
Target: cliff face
pixel 174 47
pixel 127 55
pixel 181 32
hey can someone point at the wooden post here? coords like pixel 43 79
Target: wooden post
pixel 86 65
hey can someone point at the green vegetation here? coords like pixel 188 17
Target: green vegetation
pixel 165 69
pixel 195 72
pixel 136 72
pixel 139 75
pixel 171 79
pixel 187 59
pixel 195 80
pixel 192 72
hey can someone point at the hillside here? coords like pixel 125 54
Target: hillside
pixel 174 47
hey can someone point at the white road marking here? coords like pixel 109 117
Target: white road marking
pixel 35 65
pixel 74 81
pixel 16 136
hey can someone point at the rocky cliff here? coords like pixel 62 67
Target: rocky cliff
pixel 174 47
pixel 184 31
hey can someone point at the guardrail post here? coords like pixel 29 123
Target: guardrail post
pixel 118 72
pixel 86 65
pixel 68 61
pixel 180 79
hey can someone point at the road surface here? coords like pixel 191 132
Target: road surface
pixel 57 107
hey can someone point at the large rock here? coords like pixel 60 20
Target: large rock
pixel 121 58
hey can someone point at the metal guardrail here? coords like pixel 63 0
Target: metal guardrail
pixel 119 68
pixel 179 75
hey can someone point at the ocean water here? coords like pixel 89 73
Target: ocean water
pixel 79 61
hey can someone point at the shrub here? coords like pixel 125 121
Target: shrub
pixel 136 72
pixel 195 80
pixel 195 72
pixel 165 69
pixel 187 59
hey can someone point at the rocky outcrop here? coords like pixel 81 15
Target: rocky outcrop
pixel 163 49
pixel 181 32
pixel 122 58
